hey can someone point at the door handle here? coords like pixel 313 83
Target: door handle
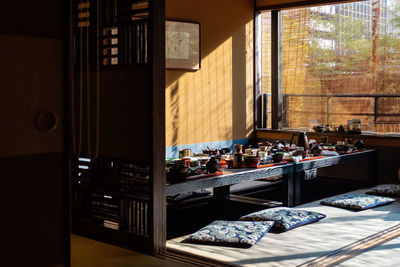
pixel 45 121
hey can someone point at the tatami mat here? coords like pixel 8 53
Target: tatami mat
pixel 384 255
pixel 87 252
pixel 340 228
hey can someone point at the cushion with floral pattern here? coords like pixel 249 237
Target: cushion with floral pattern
pixel 356 201
pixel 392 190
pixel 230 233
pixel 285 218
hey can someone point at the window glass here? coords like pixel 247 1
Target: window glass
pixel 339 62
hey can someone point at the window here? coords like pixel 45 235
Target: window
pixel 338 62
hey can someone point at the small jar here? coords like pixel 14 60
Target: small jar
pixel 237 160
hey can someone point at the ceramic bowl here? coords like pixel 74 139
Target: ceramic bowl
pixel 341 148
pixel 277 157
pixel 252 161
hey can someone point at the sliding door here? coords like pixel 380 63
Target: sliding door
pixel 34 188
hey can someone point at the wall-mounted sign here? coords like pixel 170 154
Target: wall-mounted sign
pixel 182 44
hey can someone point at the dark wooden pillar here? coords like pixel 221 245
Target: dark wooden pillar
pixel 276 70
pixel 157 51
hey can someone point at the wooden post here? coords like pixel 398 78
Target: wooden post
pixel 157 56
pixel 258 70
pixel 276 71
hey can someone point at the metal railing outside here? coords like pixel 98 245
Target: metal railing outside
pixel 375 114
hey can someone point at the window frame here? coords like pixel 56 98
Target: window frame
pixel 260 100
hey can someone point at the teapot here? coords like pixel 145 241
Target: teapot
pixel 212 165
pixel 302 141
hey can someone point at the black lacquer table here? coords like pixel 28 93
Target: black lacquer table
pixel 291 173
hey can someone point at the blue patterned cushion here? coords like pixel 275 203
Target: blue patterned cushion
pixel 231 233
pixel 356 201
pixel 285 218
pixel 392 190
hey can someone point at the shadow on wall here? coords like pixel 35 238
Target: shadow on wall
pixel 219 20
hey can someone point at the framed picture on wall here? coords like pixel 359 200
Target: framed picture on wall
pixel 182 45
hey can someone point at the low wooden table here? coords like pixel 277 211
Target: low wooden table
pixel 368 155
pixel 290 172
pixel 221 183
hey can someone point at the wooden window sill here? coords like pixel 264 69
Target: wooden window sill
pixel 370 139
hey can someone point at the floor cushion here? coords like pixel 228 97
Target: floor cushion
pixel 231 233
pixel 391 190
pixel 356 201
pixel 285 218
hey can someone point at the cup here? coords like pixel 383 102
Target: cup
pixel 263 148
pixel 185 153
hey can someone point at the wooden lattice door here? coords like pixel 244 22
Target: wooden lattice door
pixel 117 121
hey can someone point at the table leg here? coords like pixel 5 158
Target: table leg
pixel 297 188
pixel 288 190
pixel 373 170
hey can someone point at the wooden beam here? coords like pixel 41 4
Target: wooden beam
pixel 286 4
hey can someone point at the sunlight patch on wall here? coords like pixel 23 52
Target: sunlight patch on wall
pixel 199 104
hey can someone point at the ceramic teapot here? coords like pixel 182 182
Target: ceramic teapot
pixel 302 140
pixel 212 164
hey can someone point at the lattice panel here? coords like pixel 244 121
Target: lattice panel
pixel 115 32
pixel 112 193
pixel 105 210
pixel 83 14
pixel 134 181
pixel 110 46
pixel 82 177
pixel 135 216
pixel 105 175
pixel 124 32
